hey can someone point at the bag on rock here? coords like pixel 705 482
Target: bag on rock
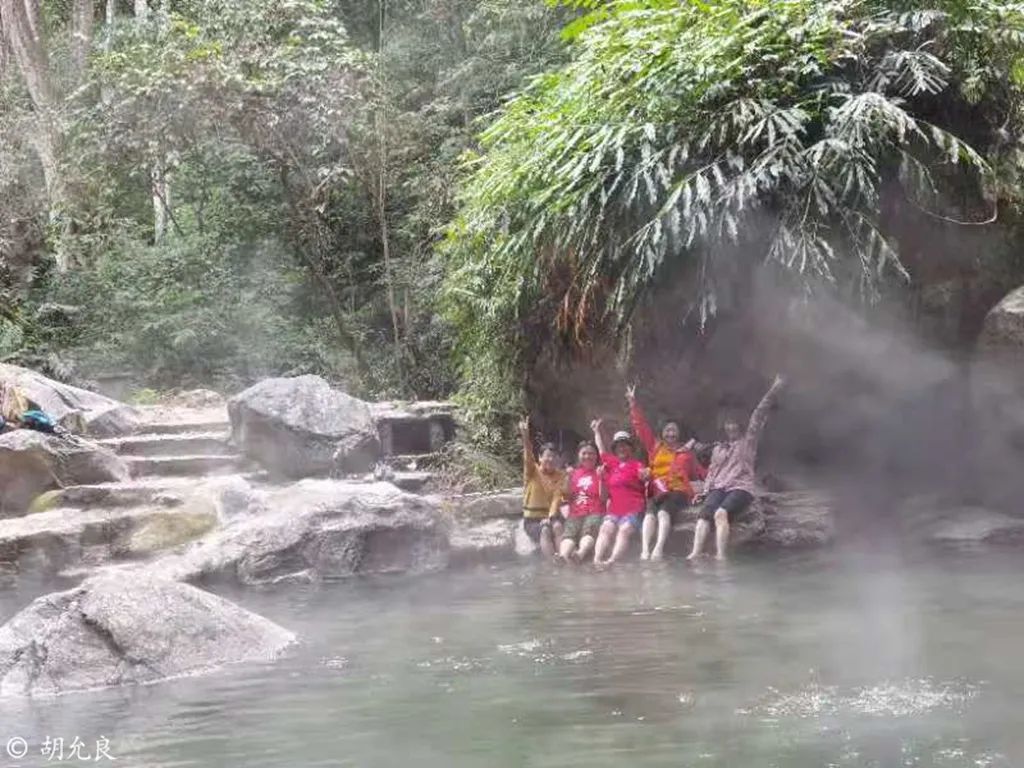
pixel 39 421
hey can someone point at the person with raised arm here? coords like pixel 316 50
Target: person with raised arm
pixel 584 492
pixel 625 478
pixel 729 486
pixel 673 466
pixel 542 484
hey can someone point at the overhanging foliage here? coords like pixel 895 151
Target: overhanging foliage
pixel 683 131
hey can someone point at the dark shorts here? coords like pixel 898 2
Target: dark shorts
pixel 578 527
pixel 533 527
pixel 733 502
pixel 672 502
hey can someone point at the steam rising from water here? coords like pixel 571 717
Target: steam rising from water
pixel 880 416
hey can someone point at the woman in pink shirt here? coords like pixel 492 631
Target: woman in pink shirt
pixel 625 477
pixel 729 486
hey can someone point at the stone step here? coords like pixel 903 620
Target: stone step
pixel 217 425
pixel 201 464
pixel 414 482
pixel 70 537
pixel 156 491
pixel 173 444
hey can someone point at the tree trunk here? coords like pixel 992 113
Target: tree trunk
pixel 385 239
pixel 161 203
pixel 159 188
pixel 111 12
pixel 382 179
pixel 81 41
pixel 21 25
pixel 20 22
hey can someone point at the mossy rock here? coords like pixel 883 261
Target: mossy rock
pixel 44 502
pixel 168 531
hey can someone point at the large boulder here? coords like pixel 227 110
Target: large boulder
pixel 1004 324
pixel 32 462
pixel 490 505
pixel 796 520
pixel 77 409
pixel 320 529
pixel 122 629
pixel 484 542
pixel 487 527
pixel 976 526
pixel 938 520
pixel 300 427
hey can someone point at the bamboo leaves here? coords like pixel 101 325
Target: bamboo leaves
pixel 678 129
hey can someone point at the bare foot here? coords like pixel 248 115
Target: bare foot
pixel 657 555
pixel 693 556
pixel 721 558
pixel 645 556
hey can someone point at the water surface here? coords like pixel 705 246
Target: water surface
pixel 832 659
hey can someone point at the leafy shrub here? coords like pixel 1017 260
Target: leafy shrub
pixel 192 312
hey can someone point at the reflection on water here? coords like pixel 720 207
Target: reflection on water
pixel 828 660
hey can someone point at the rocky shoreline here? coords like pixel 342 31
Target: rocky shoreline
pixel 179 498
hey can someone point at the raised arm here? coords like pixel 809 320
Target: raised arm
pixel 694 469
pixel 529 459
pixel 596 426
pixel 760 415
pixel 640 426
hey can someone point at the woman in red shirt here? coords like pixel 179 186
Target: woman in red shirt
pixel 583 490
pixel 625 477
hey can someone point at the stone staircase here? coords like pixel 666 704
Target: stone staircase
pixel 80 525
pixel 172 452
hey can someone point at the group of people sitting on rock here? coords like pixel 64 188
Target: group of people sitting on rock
pixel 594 507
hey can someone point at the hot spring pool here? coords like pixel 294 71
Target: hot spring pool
pixel 832 659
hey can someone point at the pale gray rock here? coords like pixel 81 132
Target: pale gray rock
pixel 33 462
pixel 301 427
pixel 76 409
pixel 126 629
pixel 321 529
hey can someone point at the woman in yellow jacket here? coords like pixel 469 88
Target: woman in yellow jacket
pixel 542 489
pixel 674 467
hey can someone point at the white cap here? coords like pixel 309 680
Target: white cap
pixel 622 435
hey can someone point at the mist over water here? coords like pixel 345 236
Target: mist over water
pixel 878 415
pixel 833 659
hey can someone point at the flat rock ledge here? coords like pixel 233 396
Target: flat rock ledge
pixel 487 526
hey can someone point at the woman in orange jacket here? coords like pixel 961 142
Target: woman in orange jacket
pixel 673 466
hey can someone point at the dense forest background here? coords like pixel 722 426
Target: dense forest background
pixel 210 192
pixel 495 198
